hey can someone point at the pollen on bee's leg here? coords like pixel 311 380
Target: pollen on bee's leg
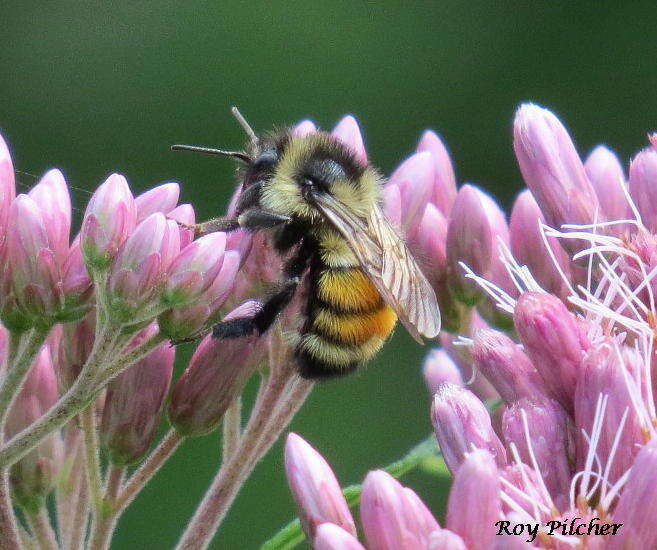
pixel 210 226
pixel 262 219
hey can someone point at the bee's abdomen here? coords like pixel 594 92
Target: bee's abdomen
pixel 347 323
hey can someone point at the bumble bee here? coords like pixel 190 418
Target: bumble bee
pixel 322 206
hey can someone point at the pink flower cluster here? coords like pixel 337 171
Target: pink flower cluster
pixel 86 321
pixel 133 272
pixel 556 313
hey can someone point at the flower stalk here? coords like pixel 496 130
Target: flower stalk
pixel 280 396
pixel 22 351
pixel 43 532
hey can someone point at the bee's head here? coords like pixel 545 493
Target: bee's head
pixel 298 169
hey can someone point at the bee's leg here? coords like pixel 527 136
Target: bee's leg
pixel 210 226
pixel 252 219
pixel 193 338
pixel 265 317
pixel 256 218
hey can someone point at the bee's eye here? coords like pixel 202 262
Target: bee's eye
pixel 319 174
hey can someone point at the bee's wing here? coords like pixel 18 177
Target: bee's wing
pixel 389 265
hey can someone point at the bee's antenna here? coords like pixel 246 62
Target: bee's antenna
pixel 244 124
pixel 209 150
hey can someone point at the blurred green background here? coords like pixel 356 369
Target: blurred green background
pixel 97 87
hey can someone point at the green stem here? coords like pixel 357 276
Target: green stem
pixel 232 428
pixel 9 537
pixel 14 339
pixel 92 459
pixel 127 359
pixel 80 517
pixel 26 539
pixel 21 353
pixel 148 469
pixel 69 485
pixel 105 523
pixel 42 530
pixel 292 535
pixel 118 498
pixel 94 376
pixel 272 413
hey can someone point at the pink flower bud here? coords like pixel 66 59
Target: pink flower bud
pixel 133 405
pixel 74 349
pixel 601 375
pixel 262 266
pixel 110 217
pixel 643 175
pixel 554 341
pixel 439 367
pixel 162 198
pixel 635 509
pixel 183 322
pixel 552 168
pixel 606 174
pixel 414 178
pixel 216 373
pixel 392 204
pixel 348 132
pixel 461 423
pixel 240 241
pixel 462 356
pixel 332 537
pixel 37 246
pixel 7 190
pixel 429 243
pixel 33 476
pixel 497 272
pixel 444 185
pixel 51 196
pixel 303 128
pixel 528 246
pixel 644 245
pixel 185 214
pixel 138 274
pixel 76 284
pixel 445 540
pixel 194 270
pixel 541 429
pixel 11 314
pixel 393 517
pixel 223 283
pixel 505 365
pixel 469 240
pixel 315 488
pixel 35 268
pixel 474 501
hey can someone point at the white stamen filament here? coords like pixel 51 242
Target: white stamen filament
pixel 502 299
pixel 543 232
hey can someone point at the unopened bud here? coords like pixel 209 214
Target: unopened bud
pixel 133 405
pixel 461 423
pixel 315 488
pixel 216 374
